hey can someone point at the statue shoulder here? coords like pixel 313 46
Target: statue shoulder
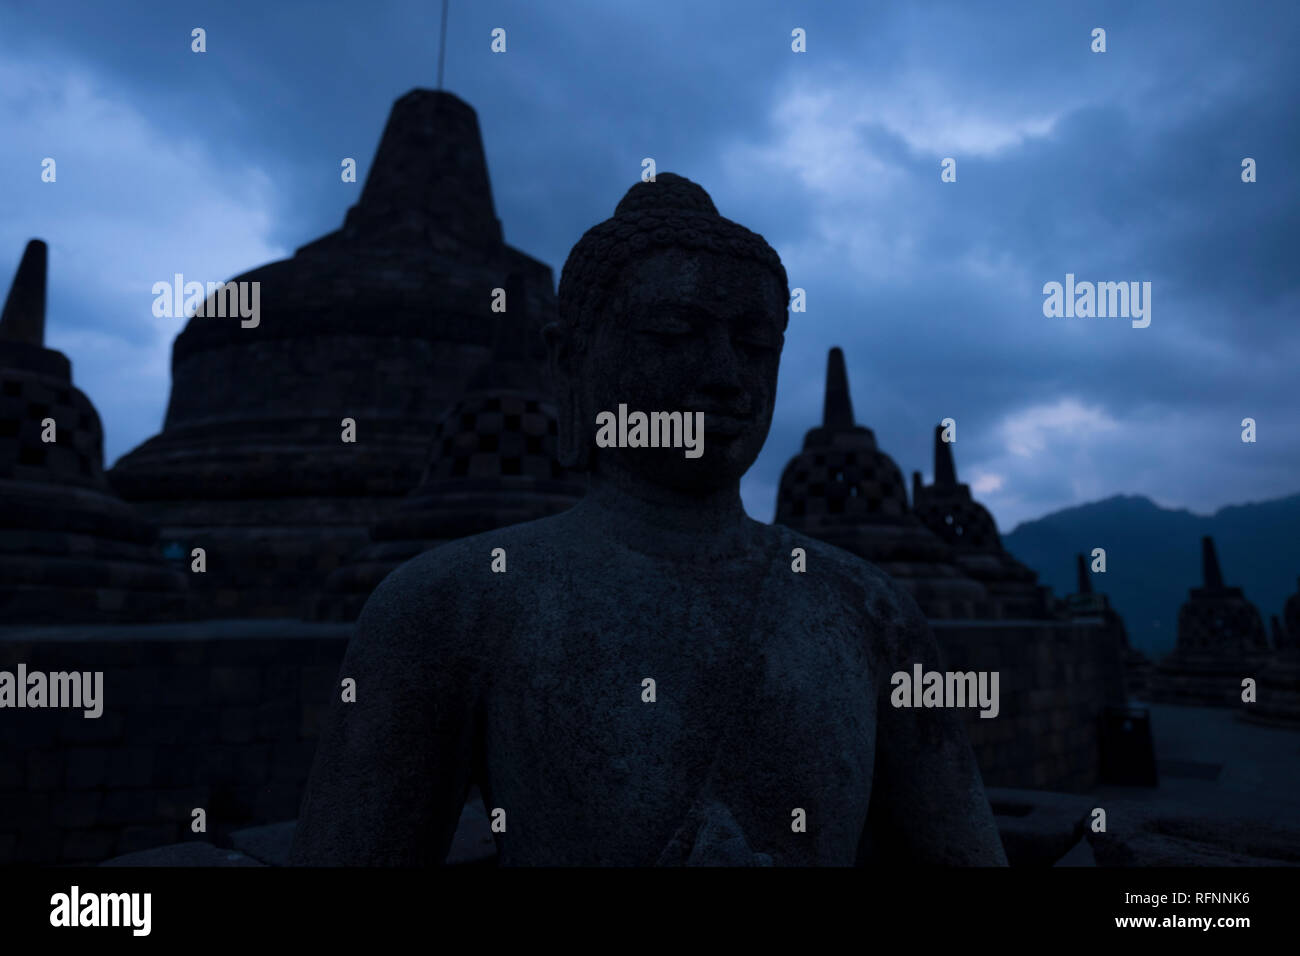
pixel 449 592
pixel 890 612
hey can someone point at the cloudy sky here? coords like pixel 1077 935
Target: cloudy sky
pixel 1115 166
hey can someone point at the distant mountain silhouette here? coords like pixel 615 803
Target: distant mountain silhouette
pixel 1153 555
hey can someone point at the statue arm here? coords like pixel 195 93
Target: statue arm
pixel 392 769
pixel 928 804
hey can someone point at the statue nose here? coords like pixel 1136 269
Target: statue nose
pixel 721 370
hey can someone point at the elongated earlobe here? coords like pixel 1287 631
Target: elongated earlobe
pixel 574 447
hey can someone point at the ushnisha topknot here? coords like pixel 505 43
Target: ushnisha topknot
pixel 670 212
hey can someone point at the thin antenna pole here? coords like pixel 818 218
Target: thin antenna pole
pixel 442 42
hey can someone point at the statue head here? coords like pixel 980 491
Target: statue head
pixel 669 307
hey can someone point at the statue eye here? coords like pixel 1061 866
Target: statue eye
pixel 756 344
pixel 665 327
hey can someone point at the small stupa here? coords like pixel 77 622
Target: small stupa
pixel 1221 641
pixel 71 551
pixel 843 489
pixel 947 508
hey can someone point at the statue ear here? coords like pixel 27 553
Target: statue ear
pixel 574 450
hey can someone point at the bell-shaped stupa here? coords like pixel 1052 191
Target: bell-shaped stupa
pixel 843 489
pixel 947 508
pixel 71 551
pixel 1221 641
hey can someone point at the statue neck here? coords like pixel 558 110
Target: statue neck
pixel 666 523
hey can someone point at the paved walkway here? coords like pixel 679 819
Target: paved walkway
pixel 1210 760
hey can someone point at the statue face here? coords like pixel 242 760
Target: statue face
pixel 687 331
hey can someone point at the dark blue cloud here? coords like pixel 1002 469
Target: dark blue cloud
pixel 1115 166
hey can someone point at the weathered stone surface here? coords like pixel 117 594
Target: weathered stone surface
pixel 1038 827
pixel 267 844
pixel 1080 855
pixel 193 853
pixel 161 747
pixel 1139 835
pixel 771 690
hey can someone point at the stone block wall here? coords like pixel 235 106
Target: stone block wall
pixel 1053 685
pixel 221 715
pixel 224 715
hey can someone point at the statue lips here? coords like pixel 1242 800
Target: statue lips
pixel 727 423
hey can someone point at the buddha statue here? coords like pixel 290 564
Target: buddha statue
pixel 651 677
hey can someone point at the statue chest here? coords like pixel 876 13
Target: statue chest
pixel 620 721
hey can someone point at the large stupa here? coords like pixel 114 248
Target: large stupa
pixel 382 322
pixel 492 462
pixel 71 551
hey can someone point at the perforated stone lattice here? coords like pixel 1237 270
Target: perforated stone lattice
pixel 848 483
pixel 492 436
pixel 1220 625
pixel 76 456
pixel 960 522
